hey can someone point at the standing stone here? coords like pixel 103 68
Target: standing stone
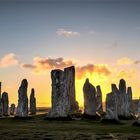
pixel 1 113
pixel 139 111
pixel 59 99
pixel 115 90
pixel 22 108
pixel 89 98
pixel 69 81
pixel 32 102
pixel 12 109
pixel 129 102
pixel 99 108
pixel 63 93
pixel 5 103
pixel 122 97
pixel 111 107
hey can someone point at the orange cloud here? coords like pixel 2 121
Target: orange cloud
pixel 124 61
pixel 41 65
pixel 8 60
pixel 90 68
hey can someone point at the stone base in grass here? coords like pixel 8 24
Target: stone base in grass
pixel 68 118
pixel 91 117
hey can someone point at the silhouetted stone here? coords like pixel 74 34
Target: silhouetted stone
pixel 111 107
pixel 129 101
pixel 12 109
pixel 89 98
pixel 69 81
pixel 32 102
pixel 99 107
pixel 5 103
pixel 1 113
pixel 122 98
pixel 22 108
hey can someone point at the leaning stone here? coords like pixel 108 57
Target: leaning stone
pixel 22 108
pixel 89 98
pixel 5 104
pixel 32 102
pixel 12 109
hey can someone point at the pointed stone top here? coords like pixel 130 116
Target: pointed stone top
pixel 4 93
pixel 32 92
pixel 98 87
pixel 122 86
pixel 87 80
pixel 24 83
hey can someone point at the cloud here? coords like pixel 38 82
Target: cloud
pixel 126 74
pixel 66 33
pixel 42 65
pixel 124 61
pixel 90 68
pixel 8 60
pixel 137 62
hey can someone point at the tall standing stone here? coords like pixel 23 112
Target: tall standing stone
pixel 99 108
pixel 22 108
pixel 122 97
pixel 69 81
pixel 1 113
pixel 5 103
pixel 129 102
pixel 111 106
pixel 59 108
pixel 12 109
pixel 32 102
pixel 89 98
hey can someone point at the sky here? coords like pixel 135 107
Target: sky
pixel 100 37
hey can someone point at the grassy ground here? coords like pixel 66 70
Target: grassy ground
pixel 37 128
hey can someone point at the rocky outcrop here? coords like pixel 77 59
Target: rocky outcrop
pixel 99 107
pixel 12 109
pixel 89 98
pixel 32 102
pixel 5 104
pixel 22 108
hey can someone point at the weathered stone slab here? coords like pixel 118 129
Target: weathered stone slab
pixel 22 108
pixel 111 107
pixel 89 98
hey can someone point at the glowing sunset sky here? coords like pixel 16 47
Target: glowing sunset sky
pixel 101 38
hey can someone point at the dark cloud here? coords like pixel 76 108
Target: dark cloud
pixel 41 65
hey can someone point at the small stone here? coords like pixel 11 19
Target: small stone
pixel 12 109
pixel 32 102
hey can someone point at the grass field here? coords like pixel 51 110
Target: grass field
pixel 37 128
